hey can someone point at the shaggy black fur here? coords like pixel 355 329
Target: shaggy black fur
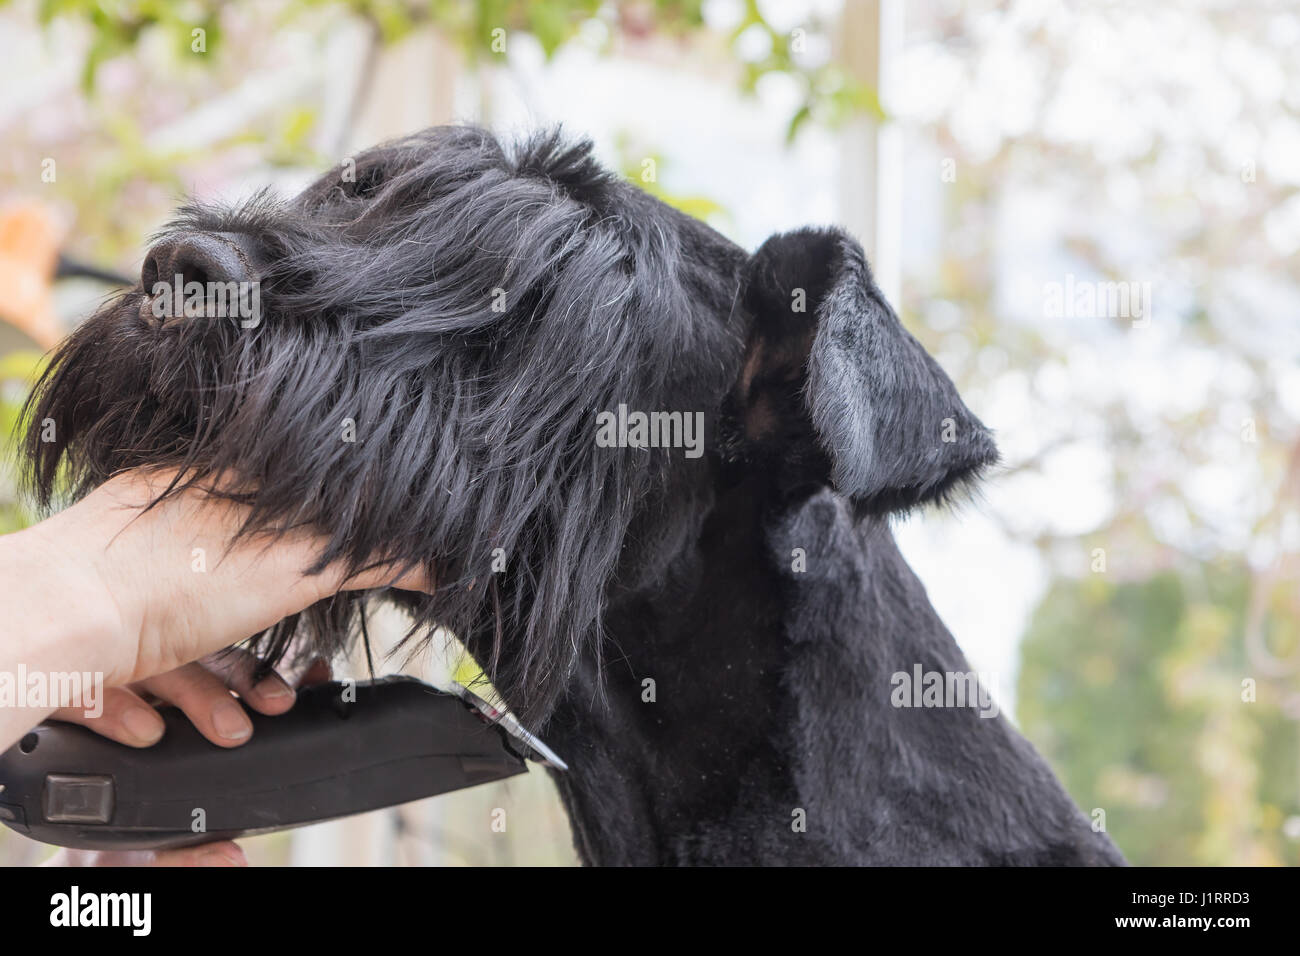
pixel 472 309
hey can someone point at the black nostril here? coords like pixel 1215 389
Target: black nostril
pixel 197 258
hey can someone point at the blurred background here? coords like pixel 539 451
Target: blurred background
pixel 1127 580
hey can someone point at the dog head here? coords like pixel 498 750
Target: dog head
pixel 468 358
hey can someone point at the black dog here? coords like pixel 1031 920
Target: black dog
pixel 480 361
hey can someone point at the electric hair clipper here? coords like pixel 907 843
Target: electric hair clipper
pixel 343 748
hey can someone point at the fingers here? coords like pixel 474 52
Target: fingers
pixel 224 853
pixel 125 718
pixel 205 700
pixel 202 691
pixel 237 667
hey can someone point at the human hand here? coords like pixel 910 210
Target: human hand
pixel 201 690
pixel 140 593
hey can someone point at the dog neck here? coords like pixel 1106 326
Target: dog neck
pixel 748 717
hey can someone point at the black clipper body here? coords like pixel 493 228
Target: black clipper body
pixel 344 748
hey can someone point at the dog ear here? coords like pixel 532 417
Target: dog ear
pixel 833 388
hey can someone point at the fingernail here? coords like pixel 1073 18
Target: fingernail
pixel 230 721
pixel 273 688
pixel 143 725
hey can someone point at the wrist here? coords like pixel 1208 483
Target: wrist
pixel 64 616
pixel 54 624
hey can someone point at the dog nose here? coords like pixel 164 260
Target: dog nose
pixel 200 257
